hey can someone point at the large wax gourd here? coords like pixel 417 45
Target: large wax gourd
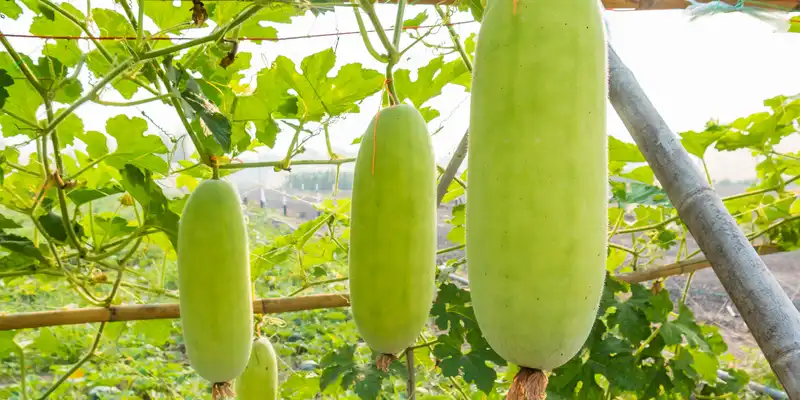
pixel 259 381
pixel 393 230
pixel 214 282
pixel 537 198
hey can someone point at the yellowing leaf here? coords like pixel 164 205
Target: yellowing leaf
pixel 79 373
pixel 186 181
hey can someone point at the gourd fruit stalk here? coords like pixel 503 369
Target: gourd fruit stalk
pixel 259 381
pixel 214 283
pixel 536 212
pixel 393 231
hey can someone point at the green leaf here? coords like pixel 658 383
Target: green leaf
pixel 335 364
pixel 112 23
pixel 134 147
pixel 8 223
pixel 623 152
pixel 26 100
pixel 658 306
pixel 416 21
pixel 431 79
pixel 321 95
pixel 705 364
pixel 10 9
pixel 156 333
pixel 84 195
pixel 642 174
pixel 469 45
pixel 96 144
pixel 47 343
pixel 684 326
pixel 640 193
pixel 5 81
pixel 69 129
pixel 21 245
pixel 54 227
pixel 17 261
pixel 213 119
pixel 697 143
pixel 453 313
pixel 64 50
pixel 114 226
pixel 7 344
pixel 142 187
pixel 254 27
pixel 166 15
pixel 368 385
pixel 57 24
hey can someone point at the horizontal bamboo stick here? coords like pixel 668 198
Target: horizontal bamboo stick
pixel 159 311
pixel 683 267
pixel 289 304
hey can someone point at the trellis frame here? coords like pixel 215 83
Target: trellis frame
pixel 765 308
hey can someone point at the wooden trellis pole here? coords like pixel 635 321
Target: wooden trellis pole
pixel 765 308
pixel 160 311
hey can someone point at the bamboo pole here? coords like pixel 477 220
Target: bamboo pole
pixel 289 304
pixel 160 311
pixel 765 308
pixel 687 266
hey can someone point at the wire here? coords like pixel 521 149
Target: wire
pixel 274 39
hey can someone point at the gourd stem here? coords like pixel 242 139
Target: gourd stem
pixel 528 384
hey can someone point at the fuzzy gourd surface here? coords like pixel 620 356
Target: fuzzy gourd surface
pixel 393 230
pixel 214 282
pixel 537 198
pixel 259 381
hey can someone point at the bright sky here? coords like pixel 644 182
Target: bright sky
pixel 717 67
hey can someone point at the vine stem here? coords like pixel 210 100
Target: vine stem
pixel 88 167
pixel 123 66
pixel 22 169
pixel 243 16
pixel 77 365
pixel 367 43
pixel 279 163
pixel 62 197
pixel 26 70
pixel 140 24
pixel 176 104
pixel 728 198
pixel 367 6
pixel 18 118
pixel 455 39
pixel 450 249
pixel 22 372
pixel 317 283
pixel 411 385
pixel 398 25
pixel 85 28
pixel 107 301
pixel 452 168
pixel 131 103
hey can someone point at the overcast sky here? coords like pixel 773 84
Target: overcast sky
pixel 717 67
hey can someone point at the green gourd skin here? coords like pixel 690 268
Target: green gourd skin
pixel 393 230
pixel 214 282
pixel 259 381
pixel 536 212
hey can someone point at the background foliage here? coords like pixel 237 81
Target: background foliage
pixel 87 219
